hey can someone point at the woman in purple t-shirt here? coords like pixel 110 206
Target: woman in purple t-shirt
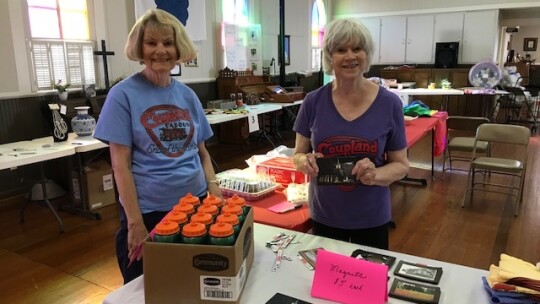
pixel 351 118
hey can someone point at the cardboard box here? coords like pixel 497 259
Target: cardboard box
pixel 98 184
pixel 207 274
pixel 283 169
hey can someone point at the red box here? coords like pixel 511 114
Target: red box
pixel 282 168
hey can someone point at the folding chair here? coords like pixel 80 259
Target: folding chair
pixel 459 146
pixel 511 160
pixel 517 107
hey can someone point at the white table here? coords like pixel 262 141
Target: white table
pixel 81 145
pixel 405 94
pixel 459 284
pixel 16 154
pixel 260 109
pixel 287 106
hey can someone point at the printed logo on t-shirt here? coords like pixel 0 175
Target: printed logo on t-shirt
pixel 170 128
pixel 336 146
pixel 348 146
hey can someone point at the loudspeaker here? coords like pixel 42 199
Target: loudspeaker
pixel 446 54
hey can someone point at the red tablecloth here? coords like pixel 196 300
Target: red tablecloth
pixel 297 219
pixel 417 128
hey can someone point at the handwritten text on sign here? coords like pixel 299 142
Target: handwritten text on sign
pixel 349 280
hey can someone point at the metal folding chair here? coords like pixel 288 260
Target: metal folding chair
pixel 510 161
pixel 461 140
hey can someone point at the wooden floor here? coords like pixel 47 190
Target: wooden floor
pixel 40 265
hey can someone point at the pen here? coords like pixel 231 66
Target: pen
pixel 291 208
pixel 77 143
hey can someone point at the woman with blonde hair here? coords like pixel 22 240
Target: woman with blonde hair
pixel 156 130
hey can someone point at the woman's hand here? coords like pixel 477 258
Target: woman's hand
pixel 137 234
pixel 365 171
pixel 309 163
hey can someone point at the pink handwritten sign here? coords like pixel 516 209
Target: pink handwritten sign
pixel 348 280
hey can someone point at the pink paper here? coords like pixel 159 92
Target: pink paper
pixel 348 280
pixel 283 207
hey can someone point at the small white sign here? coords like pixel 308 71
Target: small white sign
pixel 63 109
pixel 222 288
pixel 253 121
pixel 107 182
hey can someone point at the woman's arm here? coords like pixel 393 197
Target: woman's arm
pixel 121 164
pixel 395 169
pixel 303 160
pixel 209 173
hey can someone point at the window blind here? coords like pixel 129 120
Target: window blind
pixel 69 61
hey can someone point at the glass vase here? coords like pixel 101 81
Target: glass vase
pixel 83 124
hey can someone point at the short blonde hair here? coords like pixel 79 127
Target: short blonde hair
pixel 159 21
pixel 343 31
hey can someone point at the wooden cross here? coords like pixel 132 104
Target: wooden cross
pixel 104 53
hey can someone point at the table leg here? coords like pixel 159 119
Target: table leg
pixel 432 154
pixel 45 199
pixel 274 127
pixel 407 179
pixel 264 133
pixel 423 181
pixel 444 104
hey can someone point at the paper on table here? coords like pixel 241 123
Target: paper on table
pixel 349 280
pixel 283 207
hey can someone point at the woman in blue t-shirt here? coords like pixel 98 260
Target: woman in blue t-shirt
pixel 355 118
pixel 156 130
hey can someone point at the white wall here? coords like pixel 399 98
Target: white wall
pixel 528 28
pixel 297 25
pixel 528 18
pixel 112 20
pixel 366 8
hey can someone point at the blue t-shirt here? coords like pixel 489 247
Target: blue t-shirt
pixel 163 127
pixel 379 130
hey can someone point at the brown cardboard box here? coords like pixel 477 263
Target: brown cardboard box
pixel 283 169
pixel 99 185
pixel 207 274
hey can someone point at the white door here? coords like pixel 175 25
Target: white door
pixel 448 28
pixel 420 39
pixel 393 32
pixel 480 36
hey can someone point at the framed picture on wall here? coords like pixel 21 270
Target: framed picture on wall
pixel 286 49
pixel 530 44
pixel 193 63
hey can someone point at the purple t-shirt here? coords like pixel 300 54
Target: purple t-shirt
pixel 379 130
